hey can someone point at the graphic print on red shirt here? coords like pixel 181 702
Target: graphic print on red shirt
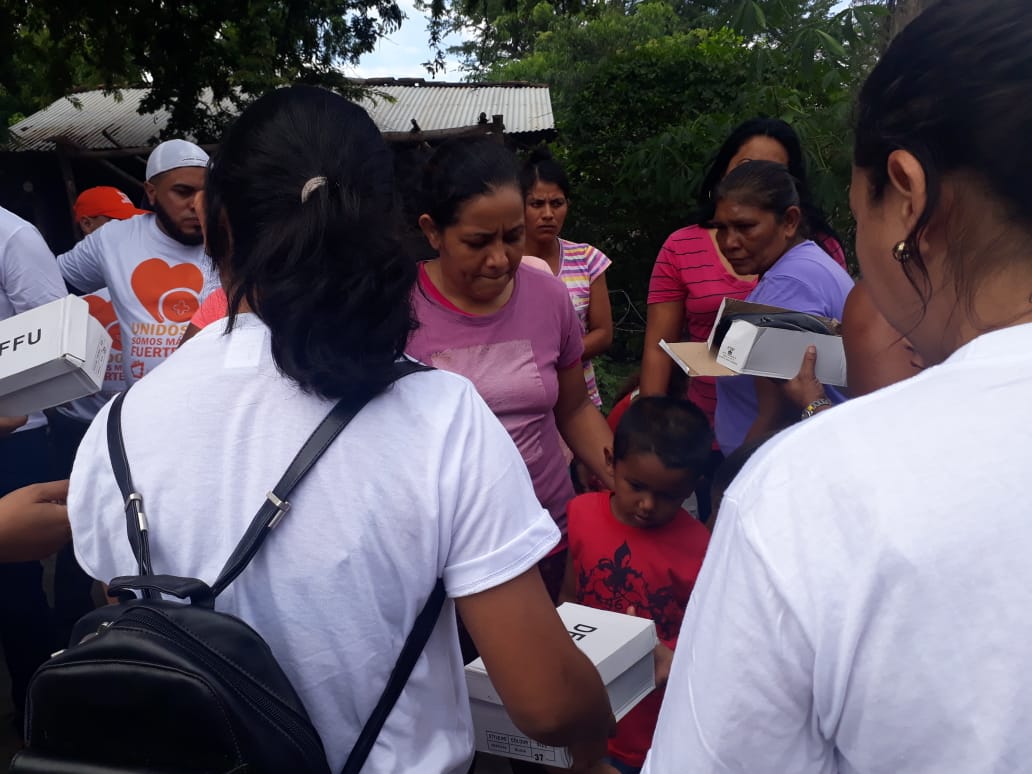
pixel 653 570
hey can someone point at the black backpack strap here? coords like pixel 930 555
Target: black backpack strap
pixel 135 518
pixel 410 652
pixel 276 504
pixel 268 516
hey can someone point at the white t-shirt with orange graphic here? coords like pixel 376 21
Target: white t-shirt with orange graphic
pixel 155 284
pixel 85 409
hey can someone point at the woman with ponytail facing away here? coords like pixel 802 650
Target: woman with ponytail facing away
pixel 423 484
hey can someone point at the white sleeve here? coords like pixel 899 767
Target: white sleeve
pixel 83 265
pixel 740 694
pixel 28 273
pixel 495 527
pixel 94 508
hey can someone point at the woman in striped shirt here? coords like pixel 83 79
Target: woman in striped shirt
pixel 581 267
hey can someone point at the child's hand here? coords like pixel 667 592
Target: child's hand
pixel 10 424
pixel 663 657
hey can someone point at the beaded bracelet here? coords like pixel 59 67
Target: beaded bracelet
pixel 810 410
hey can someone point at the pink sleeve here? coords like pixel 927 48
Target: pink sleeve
pixel 537 263
pixel 596 263
pixel 665 283
pixel 214 308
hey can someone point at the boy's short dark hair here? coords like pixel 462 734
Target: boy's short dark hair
pixel 673 429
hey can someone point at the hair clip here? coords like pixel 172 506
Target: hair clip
pixel 310 186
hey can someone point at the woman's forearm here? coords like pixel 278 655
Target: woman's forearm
pixel 665 321
pixel 586 433
pixel 597 342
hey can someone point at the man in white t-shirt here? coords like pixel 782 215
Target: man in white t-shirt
pixel 153 265
pixel 28 278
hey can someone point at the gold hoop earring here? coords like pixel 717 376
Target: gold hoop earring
pixel 901 252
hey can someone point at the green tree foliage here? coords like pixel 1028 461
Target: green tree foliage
pixel 644 97
pixel 236 48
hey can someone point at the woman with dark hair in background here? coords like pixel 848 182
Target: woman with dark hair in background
pixel 509 329
pixel 691 276
pixel 760 230
pixel 581 267
pixel 424 483
pixel 865 603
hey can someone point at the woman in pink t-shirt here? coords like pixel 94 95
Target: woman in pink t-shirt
pixel 509 329
pixel 691 277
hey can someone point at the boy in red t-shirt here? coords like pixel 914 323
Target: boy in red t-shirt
pixel 635 551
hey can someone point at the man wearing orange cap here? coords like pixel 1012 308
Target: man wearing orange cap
pixel 97 206
pixel 92 209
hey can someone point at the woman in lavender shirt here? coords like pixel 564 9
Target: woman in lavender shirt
pixel 760 230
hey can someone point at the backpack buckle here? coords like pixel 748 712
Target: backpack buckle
pixel 281 506
pixel 141 517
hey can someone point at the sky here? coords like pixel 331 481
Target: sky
pixel 402 54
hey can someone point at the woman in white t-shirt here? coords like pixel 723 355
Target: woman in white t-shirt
pixel 424 483
pixel 866 601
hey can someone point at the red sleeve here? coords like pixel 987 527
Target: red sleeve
pixel 665 283
pixel 832 247
pixel 214 308
pixel 579 513
pixel 618 410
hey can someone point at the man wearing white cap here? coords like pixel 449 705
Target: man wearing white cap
pixel 153 265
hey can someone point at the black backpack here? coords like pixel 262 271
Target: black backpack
pixel 152 686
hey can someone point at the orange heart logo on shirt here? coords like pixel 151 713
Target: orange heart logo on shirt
pixel 169 293
pixel 104 312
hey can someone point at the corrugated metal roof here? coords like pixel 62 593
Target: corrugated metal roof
pixel 523 108
pixel 95 121
pixel 84 119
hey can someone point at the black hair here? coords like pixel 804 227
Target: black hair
pixel 814 218
pixel 541 167
pixel 462 169
pixel 953 90
pixel 325 275
pixel 673 429
pixel 766 185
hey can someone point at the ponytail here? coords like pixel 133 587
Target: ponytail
pixel 301 208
